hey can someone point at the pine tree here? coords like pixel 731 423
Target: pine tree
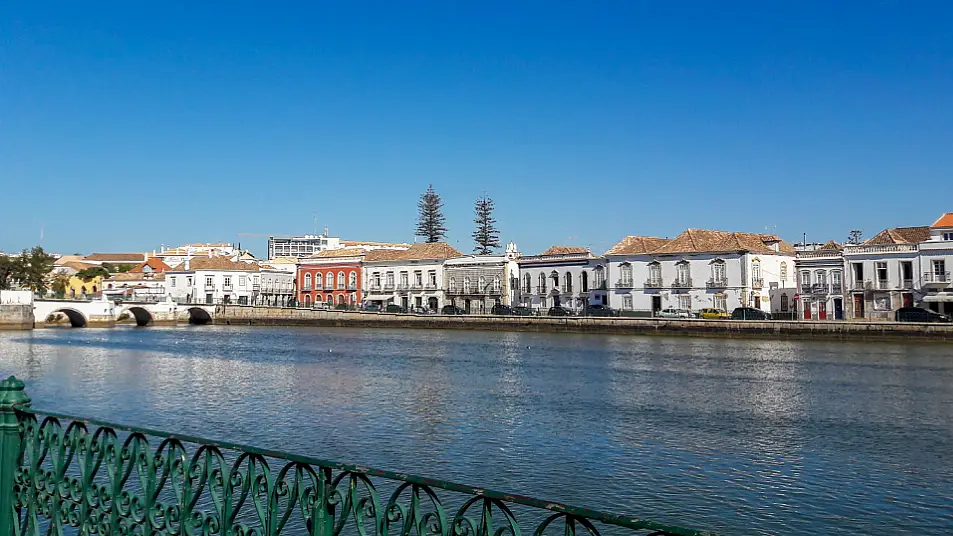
pixel 430 220
pixel 486 235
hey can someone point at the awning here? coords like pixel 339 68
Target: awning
pixel 939 297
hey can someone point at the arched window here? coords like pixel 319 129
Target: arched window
pixel 600 277
pixel 820 277
pixel 482 283
pixel 784 272
pixel 542 283
pixel 340 280
pixel 352 280
pixel 805 281
pixel 497 285
pixel 330 299
pixel 585 281
pixel 318 280
pixel 718 274
pixel 329 280
pixel 655 274
pixel 567 282
pixel 756 273
pixel 94 289
pixel 307 281
pixel 555 277
pixel 340 299
pixel 307 300
pixel 527 283
pixel 466 285
pixel 452 284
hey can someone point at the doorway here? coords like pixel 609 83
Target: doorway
pixel 822 310
pixel 838 309
pixel 466 306
pixel 858 305
pixel 656 304
pixel 403 303
pixel 806 304
pixel 757 302
pixel 907 299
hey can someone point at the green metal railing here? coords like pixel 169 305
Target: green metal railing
pixel 61 474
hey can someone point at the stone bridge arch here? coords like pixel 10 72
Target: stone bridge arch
pixel 76 318
pixel 141 314
pixel 199 316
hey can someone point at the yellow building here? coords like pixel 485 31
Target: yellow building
pixel 78 287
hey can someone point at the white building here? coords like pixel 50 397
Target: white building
pixel 174 257
pixel 562 276
pixel 222 280
pixel 409 278
pixel 820 279
pixel 882 273
pixel 300 247
pixel 936 263
pixel 698 269
pixel 475 283
pixel 145 282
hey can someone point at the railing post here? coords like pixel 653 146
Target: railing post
pixel 11 394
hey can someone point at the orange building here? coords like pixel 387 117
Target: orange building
pixel 332 276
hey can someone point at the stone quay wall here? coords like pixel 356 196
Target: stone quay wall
pixel 775 329
pixel 16 309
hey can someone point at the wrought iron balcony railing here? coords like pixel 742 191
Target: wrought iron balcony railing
pixel 682 283
pixel 388 286
pixel 757 282
pixel 653 283
pixel 624 283
pixel 936 277
pixel 717 283
pixel 883 284
pixel 906 284
pixel 74 474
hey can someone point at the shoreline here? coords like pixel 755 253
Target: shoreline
pixel 771 329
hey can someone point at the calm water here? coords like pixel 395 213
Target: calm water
pixel 740 437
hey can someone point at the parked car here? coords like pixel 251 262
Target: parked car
pixel 674 313
pixel 919 314
pixel 500 309
pixel 394 308
pixel 559 311
pixel 749 313
pixel 422 311
pixel 320 305
pixel 372 308
pixel 713 314
pixel 452 310
pixel 523 311
pixel 600 310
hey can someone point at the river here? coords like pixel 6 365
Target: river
pixel 734 436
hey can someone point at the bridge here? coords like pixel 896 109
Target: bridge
pixel 103 312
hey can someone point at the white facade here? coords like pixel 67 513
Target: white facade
pixel 175 257
pixel 418 283
pixel 236 283
pixel 562 276
pixel 821 284
pixel 135 286
pixel 301 246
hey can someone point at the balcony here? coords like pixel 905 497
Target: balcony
pixel 389 286
pixel 226 288
pixel 837 288
pixel 861 285
pixel 352 286
pixel 883 284
pixel 653 283
pixel 682 283
pixel 305 289
pixel 717 283
pixel 600 285
pixel 403 286
pixel 757 282
pixel 624 283
pixel 936 279
pixel 906 284
pixel 431 285
pixel 210 287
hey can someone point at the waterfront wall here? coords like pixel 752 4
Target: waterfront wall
pixel 778 329
pixel 16 309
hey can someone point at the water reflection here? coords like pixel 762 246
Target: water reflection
pixel 734 436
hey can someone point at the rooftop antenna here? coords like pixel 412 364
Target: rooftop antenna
pixel 315 222
pixel 325 230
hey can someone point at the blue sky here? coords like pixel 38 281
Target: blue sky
pixel 127 125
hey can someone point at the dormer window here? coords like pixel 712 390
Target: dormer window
pixel 948 236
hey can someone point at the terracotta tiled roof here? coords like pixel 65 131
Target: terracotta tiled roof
pixel 383 255
pixel 131 276
pixel 78 266
pixel 428 250
pixel 345 252
pixel 944 221
pixel 900 235
pixel 831 246
pixel 284 260
pixel 156 264
pixel 67 258
pixel 634 245
pixel 707 241
pixel 565 250
pixel 218 263
pixel 116 257
pixel 376 244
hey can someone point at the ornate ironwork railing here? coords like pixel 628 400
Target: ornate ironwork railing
pixel 61 474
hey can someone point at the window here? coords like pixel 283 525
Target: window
pixel 352 280
pixel 188 281
pixel 329 300
pixel 497 285
pixel 655 273
pixel 626 274
pixel 585 281
pixel 241 281
pixel 307 281
pixel 600 277
pixel 720 302
pixel 209 280
pixel 542 283
pixel 882 303
pixel 452 284
pixel 567 281
pixel 542 303
pixel 527 283
pixel 683 274
pixel 390 279
pixel 329 280
pixel 939 267
pixel 172 281
pixel 243 300
pixel 627 302
pixel 376 279
pixel 821 277
pixel 784 303
pixel 784 271
pixel 718 271
pixel 482 284
pixel 341 280
pixel 756 271
pixel 555 277
pixel 685 302
pixel 228 281
pixel 319 280
pixel 836 280
pixel 404 280
pixel 858 271
pixel 432 278
pixel 881 271
pixel 947 236
pixel 418 279
pixel 466 285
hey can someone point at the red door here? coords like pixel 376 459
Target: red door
pixel 822 310
pixel 807 309
pixel 858 305
pixel 908 300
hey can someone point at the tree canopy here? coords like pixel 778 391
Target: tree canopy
pixel 430 220
pixel 486 235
